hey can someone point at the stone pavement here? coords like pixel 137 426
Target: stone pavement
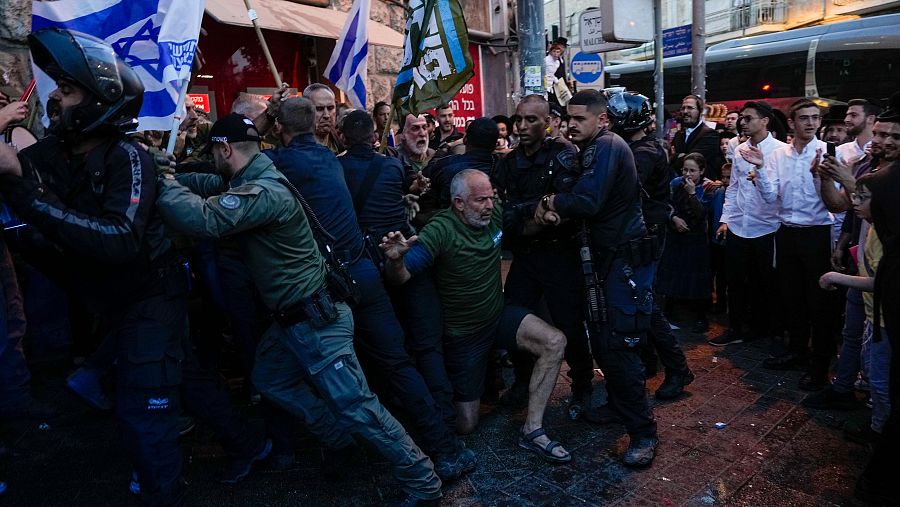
pixel 771 452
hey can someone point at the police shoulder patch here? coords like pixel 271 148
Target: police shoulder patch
pixel 588 158
pixel 230 201
pixel 565 158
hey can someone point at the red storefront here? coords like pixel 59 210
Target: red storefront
pixel 300 38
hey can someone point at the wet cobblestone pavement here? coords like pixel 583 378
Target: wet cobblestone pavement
pixel 771 452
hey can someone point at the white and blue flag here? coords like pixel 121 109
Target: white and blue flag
pixel 157 38
pixel 347 67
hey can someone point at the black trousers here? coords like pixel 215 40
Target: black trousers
pixel 751 282
pixel 555 276
pixel 803 256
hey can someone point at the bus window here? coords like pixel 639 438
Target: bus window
pixel 844 75
pixel 768 76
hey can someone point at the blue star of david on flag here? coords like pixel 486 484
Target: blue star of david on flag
pixel 157 38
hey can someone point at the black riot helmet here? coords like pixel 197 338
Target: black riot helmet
pixel 115 92
pixel 629 112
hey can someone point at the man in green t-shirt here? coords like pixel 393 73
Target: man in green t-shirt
pixel 462 243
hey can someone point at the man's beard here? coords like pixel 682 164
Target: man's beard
pixel 690 123
pixel 475 219
pixel 55 114
pixel 415 149
pixel 855 130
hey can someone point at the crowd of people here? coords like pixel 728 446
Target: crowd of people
pixel 346 256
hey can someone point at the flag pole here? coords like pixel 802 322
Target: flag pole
pixel 387 128
pixel 176 120
pixel 251 13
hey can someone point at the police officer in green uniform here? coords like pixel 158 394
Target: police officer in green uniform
pixel 305 362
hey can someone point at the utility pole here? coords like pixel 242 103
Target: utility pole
pixel 564 34
pixel 530 14
pixel 698 49
pixel 659 91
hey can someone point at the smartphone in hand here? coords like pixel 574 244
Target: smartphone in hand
pixel 831 151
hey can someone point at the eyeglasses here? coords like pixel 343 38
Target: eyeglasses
pixel 748 118
pixel 809 119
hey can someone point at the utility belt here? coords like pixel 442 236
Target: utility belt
pixel 641 251
pixel 319 309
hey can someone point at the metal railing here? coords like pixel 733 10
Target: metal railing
pixel 747 14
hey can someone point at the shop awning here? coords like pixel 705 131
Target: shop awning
pixel 292 17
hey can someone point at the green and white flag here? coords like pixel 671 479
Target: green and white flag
pixel 436 59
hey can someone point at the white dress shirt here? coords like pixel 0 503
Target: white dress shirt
pixel 746 212
pixel 850 153
pixel 799 193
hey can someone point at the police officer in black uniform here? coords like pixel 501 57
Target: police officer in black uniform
pixel 607 197
pixel 545 260
pixel 89 192
pixel 629 114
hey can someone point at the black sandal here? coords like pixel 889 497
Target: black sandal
pixel 546 452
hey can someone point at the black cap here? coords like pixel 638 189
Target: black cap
pixel 562 41
pixel 233 128
pixel 557 110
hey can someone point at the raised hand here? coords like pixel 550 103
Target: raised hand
pixel 395 246
pixel 752 154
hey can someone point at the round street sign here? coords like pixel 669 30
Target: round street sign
pixel 587 68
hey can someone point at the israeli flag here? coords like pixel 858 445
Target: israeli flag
pixel 157 38
pixel 347 67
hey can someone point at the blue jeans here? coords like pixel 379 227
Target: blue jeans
pixel 854 320
pixel 314 374
pixel 876 358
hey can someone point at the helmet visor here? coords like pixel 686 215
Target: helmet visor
pixel 101 63
pixel 617 106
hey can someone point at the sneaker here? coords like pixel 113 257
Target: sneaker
pixel 700 326
pixel 411 501
pixel 134 486
pixel 673 386
pixel 451 467
pixel 641 452
pixel 727 338
pixel 787 361
pixel 579 403
pixel 282 460
pixel 829 399
pixel 85 383
pixel 810 382
pixel 238 468
pixel 603 414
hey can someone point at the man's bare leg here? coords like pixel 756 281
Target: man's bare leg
pixel 548 344
pixel 466 416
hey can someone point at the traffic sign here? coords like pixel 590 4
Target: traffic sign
pixel 592 34
pixel 587 68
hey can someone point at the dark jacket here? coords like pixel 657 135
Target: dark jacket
pixel 704 141
pixel 522 181
pixel 606 193
pixel 99 230
pixel 376 184
pixel 318 175
pixel 653 170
